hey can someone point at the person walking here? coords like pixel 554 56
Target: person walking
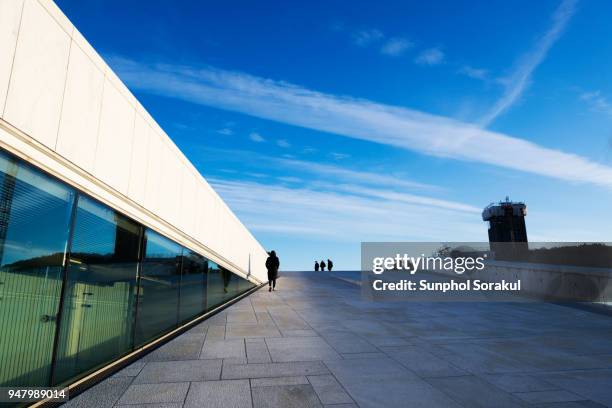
pixel 272 265
pixel 330 265
pixel 316 266
pixel 323 265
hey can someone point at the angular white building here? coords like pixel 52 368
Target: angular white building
pixel 109 237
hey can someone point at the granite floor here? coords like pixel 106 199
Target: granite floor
pixel 314 342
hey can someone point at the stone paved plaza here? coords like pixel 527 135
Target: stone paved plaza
pixel 314 342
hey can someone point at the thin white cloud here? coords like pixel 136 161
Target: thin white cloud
pixel 283 143
pixel 431 56
pixel 364 38
pixel 360 119
pixel 339 156
pixel 395 47
pixel 474 73
pixel 256 137
pixel 331 214
pixel 225 132
pixel 393 196
pixel 256 175
pixel 353 176
pixel 597 101
pixel 321 170
pixel 290 179
pixel 520 78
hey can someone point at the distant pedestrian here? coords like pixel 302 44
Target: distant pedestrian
pixel 323 265
pixel 316 266
pixel 330 265
pixel 272 265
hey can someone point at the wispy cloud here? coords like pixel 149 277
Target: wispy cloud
pixel 518 81
pixel 395 47
pixel 339 156
pixel 357 118
pixel 309 150
pixel 330 214
pixel 256 137
pixel 474 73
pixel 364 38
pixel 256 175
pixel 431 56
pixel 283 143
pixel 597 101
pixel 225 131
pixel 322 170
pixel 290 179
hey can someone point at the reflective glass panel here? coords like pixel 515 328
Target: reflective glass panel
pixel 193 285
pixel 160 276
pixel 216 290
pixel 99 298
pixel 34 226
pixel 230 282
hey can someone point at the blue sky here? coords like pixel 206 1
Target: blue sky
pixel 324 124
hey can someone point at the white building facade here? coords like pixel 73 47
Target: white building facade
pixel 100 213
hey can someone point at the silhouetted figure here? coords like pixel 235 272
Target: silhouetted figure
pixel 323 265
pixel 330 265
pixel 316 266
pixel 272 265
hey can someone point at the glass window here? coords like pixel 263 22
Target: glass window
pixel 216 290
pixel 34 227
pixel 160 276
pixel 244 285
pixel 193 285
pixel 99 297
pixel 110 302
pixel 230 281
pixel 223 285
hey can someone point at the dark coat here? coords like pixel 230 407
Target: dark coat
pixel 272 265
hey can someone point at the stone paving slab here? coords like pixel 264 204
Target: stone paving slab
pixel 519 382
pixel 315 342
pixel 181 348
pixel 102 395
pixel 154 393
pixel 257 351
pixel 285 396
pixel 423 363
pixel 215 349
pixel 300 349
pixel 179 371
pixel 219 394
pixel 471 391
pixel 272 382
pixel 540 397
pixel 132 370
pixel 329 390
pixel 234 371
pixel 251 330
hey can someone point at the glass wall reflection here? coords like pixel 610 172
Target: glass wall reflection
pixel 193 285
pixel 82 285
pixel 34 226
pixel 216 290
pixel 99 297
pixel 160 275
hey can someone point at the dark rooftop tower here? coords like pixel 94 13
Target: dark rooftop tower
pixel 506 224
